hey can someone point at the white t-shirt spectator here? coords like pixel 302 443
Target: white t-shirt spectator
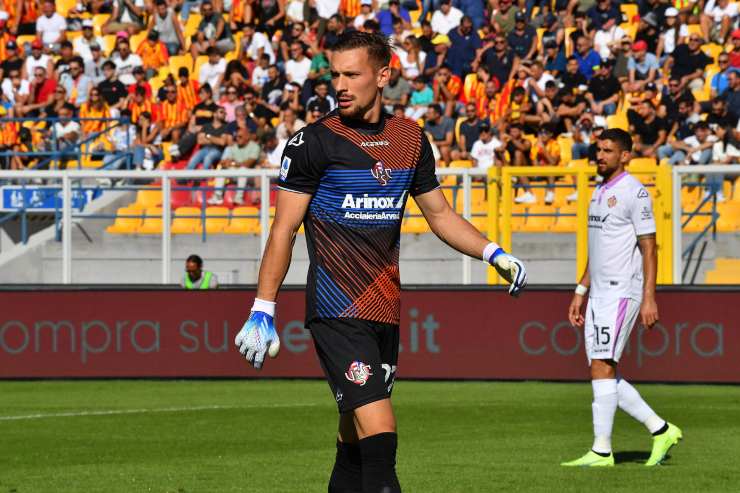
pixel 61 130
pixel 411 69
pixel 670 38
pixel 81 46
pixel 210 73
pixel 126 16
pixel 716 12
pixel 483 152
pixel 603 39
pixel 125 68
pixel 272 158
pixel 32 63
pixel 692 141
pixel 361 18
pixel 260 40
pixel 298 71
pixel 259 76
pixel 327 8
pixel 10 93
pixel 541 84
pixel 50 28
pixel 443 24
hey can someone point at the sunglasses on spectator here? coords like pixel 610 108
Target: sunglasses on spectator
pixel 723 61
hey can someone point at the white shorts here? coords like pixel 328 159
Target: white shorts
pixel 609 322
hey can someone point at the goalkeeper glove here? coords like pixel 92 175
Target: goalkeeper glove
pixel 258 335
pixel 509 267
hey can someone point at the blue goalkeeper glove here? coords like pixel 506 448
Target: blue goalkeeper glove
pixel 509 267
pixel 258 335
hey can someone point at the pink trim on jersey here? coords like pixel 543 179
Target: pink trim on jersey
pixel 606 186
pixel 621 312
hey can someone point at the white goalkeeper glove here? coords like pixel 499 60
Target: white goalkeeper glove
pixel 258 335
pixel 509 267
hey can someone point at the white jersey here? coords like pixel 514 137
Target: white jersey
pixel 620 211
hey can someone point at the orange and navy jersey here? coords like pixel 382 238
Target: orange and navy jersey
pixel 350 8
pixel 153 55
pixel 94 126
pixel 454 86
pixel 9 134
pixel 238 10
pixel 188 94
pixel 9 6
pixel 138 109
pixel 4 38
pixel 360 177
pixel 173 114
pixel 31 12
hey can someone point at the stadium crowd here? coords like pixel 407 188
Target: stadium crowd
pixel 208 83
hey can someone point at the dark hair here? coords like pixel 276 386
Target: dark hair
pixel 183 72
pixel 619 136
pixel 518 90
pixel 69 106
pixel 436 107
pixel 195 259
pixel 212 50
pixel 65 44
pixel 701 124
pixel 377 46
pixel 140 91
pixel 371 25
pixel 550 84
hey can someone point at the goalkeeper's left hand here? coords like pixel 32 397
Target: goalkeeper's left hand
pixel 258 335
pixel 510 268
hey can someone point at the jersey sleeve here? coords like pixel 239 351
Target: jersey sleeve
pixel 302 163
pixel 642 212
pixel 424 178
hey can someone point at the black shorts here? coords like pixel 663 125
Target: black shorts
pixel 358 357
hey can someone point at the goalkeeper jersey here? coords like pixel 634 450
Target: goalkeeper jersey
pixel 619 212
pixel 360 176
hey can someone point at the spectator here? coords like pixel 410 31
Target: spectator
pixel 470 129
pixel 126 62
pixel 412 58
pixel 260 72
pixel 687 63
pixel 720 116
pixel 41 90
pixel 66 133
pixel 314 112
pixel 321 96
pixel 473 9
pixel 153 54
pixel 442 129
pixel 732 94
pixel 523 38
pixel 188 91
pixel 212 32
pixel 95 108
pixel 82 44
pixel 16 90
pixel 570 106
pixel 584 143
pixel 396 91
pixel 717 19
pixel 139 103
pixel 140 80
pixel 647 129
pixel 122 138
pixel 608 37
pixel 50 26
pixel 255 43
pixel 672 97
pixel 272 150
pixel 195 277
pixel 464 44
pixel 674 34
pixel 230 102
pixel 127 16
pixel 720 81
pixel 174 116
pixel 603 11
pixel 57 101
pixel 446 18
pixel 503 18
pixel 148 142
pixel 212 139
pixel 554 59
pixel 603 90
pixel 547 105
pixel 76 83
pixel 299 65
pixel 642 66
pixel 366 13
pixel 586 57
pixel 486 150
pixel 545 152
pixel 421 97
pixel 537 80
pixel 446 88
pixel 695 149
pixel 114 92
pixel 647 31
pixel 394 11
pixel 164 21
pixel 683 125
pixel 37 58
pixel 66 55
pixel 212 72
pixel 243 153
pixel 289 124
pixel 94 66
pixel 735 51
pixel 437 57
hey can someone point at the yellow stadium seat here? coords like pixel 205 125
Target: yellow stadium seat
pixel 191 26
pixel 629 10
pixel 137 39
pixel 566 149
pixel 459 122
pixel 109 43
pixel 24 38
pixel 642 161
pixel 461 163
pixel 575 163
pixel 629 29
pixel 518 217
pixel 415 225
pixel 217 219
pixel 563 223
pixel 64 6
pixel 152 222
pixel 726 271
pixel 694 29
pixel 729 217
pixel 690 198
pixel 240 224
pixel 178 61
pixel 196 68
pixel 98 21
pixel 126 225
pixel 539 224
pixel 187 221
pixel 712 50
pixel 147 198
pixel 618 120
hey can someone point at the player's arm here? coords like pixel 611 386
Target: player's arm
pixel 575 310
pixel 649 309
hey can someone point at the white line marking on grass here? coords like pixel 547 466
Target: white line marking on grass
pixel 111 412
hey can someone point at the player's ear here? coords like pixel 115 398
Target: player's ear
pixel 384 75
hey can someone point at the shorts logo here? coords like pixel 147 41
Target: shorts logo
pixel 297 140
pixel 381 173
pixel 358 373
pixel 612 201
pixel 284 167
pixel 339 396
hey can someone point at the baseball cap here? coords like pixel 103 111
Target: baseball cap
pixel 639 46
pixel 87 23
pixel 122 34
pixel 94 46
pixel 484 126
pixel 37 44
pixel 650 19
pixel 366 2
pixel 520 17
pixel 736 34
pixel 11 45
pixel 440 39
pixel 671 12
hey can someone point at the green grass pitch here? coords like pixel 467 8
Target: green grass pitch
pixel 278 436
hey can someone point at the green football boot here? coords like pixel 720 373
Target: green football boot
pixel 591 459
pixel 663 443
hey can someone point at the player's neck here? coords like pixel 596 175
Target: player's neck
pixel 608 180
pixel 372 120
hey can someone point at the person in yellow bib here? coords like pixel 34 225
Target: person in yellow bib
pixel 195 277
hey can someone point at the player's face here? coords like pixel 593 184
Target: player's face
pixel 609 157
pixel 357 81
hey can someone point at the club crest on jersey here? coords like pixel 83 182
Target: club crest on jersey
pixel 358 373
pixel 381 173
pixel 612 201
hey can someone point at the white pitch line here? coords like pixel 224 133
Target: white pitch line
pixel 111 412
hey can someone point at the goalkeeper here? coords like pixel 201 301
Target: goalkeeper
pixel 347 178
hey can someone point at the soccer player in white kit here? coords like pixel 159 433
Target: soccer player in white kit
pixel 620 280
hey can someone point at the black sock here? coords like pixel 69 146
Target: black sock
pixel 346 477
pixel 379 463
pixel 602 454
pixel 662 430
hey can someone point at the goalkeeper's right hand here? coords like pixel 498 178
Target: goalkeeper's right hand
pixel 509 267
pixel 258 335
